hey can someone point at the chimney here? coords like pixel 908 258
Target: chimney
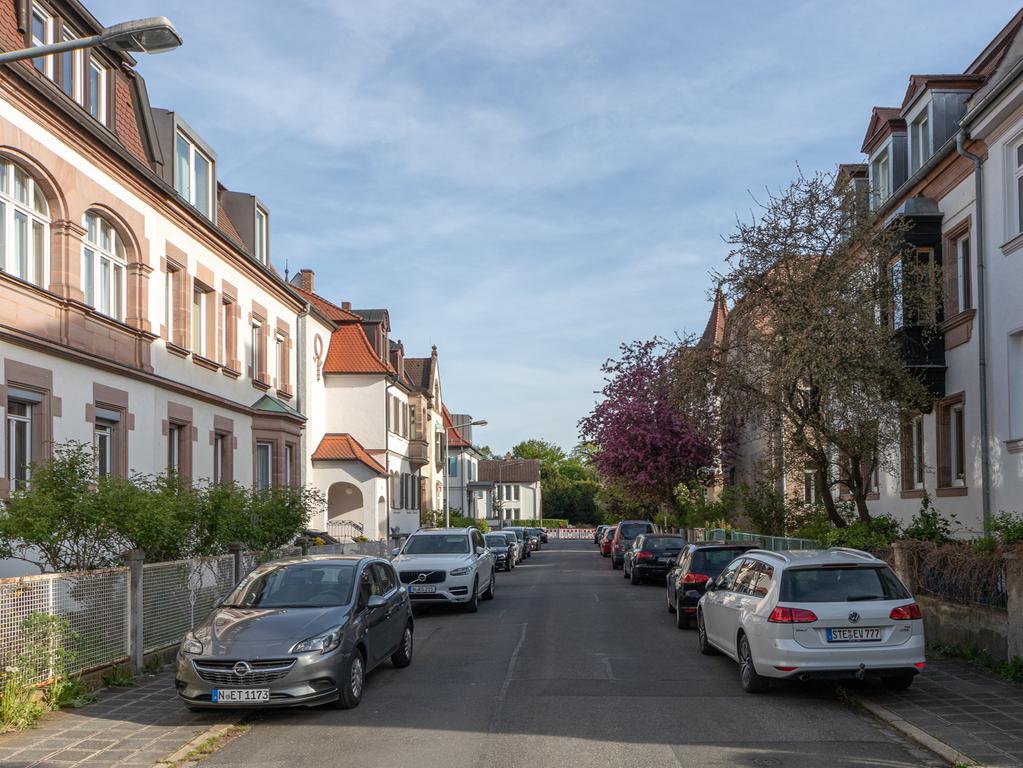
pixel 346 305
pixel 306 280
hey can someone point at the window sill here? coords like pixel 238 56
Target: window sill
pixel 952 490
pixel 230 371
pixel 204 362
pixel 958 329
pixel 261 385
pixel 285 394
pixel 1014 446
pixel 1012 245
pixel 915 493
pixel 174 349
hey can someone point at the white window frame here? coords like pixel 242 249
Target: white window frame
pixel 1017 171
pixel 881 177
pixel 43 64
pixel 218 457
pixel 226 319
pixel 917 447
pixel 104 268
pixel 963 278
pixel 174 448
pixel 75 57
pixel 920 139
pixel 956 445
pixel 12 436
pixel 260 241
pixel 192 196
pixel 35 268
pixel 103 432
pixel 198 316
pixel 280 358
pixel 255 344
pixel 264 453
pixel 289 457
pixel 96 107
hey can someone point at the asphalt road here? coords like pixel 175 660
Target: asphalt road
pixel 570 665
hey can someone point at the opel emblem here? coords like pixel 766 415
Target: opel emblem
pixel 242 668
pixel 854 617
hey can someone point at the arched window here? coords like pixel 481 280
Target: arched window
pixel 24 225
pixel 103 267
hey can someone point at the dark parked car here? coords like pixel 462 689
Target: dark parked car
pixel 697 564
pixel 598 533
pixel 504 551
pixel 297 632
pixel 606 540
pixel 523 537
pixel 536 536
pixel 651 556
pixel 543 535
pixel 516 546
pixel 625 532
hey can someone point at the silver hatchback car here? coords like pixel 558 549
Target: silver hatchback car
pixel 297 632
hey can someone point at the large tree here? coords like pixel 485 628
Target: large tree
pixel 810 353
pixel 646 444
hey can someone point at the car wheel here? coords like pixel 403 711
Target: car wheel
pixel 897 682
pixel 701 637
pixel 403 656
pixel 473 603
pixel 354 677
pixel 489 594
pixel 681 621
pixel 667 599
pixel 634 577
pixel 748 677
pixel 508 566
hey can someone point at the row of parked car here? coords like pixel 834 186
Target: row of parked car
pixel 306 630
pixel 804 614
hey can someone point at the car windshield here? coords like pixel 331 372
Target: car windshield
pixel 662 544
pixel 496 540
pixel 835 585
pixel 712 561
pixel 298 585
pixel 632 530
pixel 437 544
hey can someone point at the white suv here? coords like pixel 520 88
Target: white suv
pixel 812 614
pixel 446 565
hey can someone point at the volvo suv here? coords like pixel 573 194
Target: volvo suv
pixel 807 614
pixel 447 565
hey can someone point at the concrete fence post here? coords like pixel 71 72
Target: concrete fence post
pixel 135 558
pixel 303 544
pixel 906 569
pixel 235 550
pixel 1014 607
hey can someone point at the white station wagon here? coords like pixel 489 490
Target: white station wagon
pixel 835 613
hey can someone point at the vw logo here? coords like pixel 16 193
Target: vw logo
pixel 854 617
pixel 242 668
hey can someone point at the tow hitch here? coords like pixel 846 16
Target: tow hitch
pixel 861 672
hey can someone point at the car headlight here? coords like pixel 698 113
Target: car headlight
pixel 324 643
pixel 460 571
pixel 190 646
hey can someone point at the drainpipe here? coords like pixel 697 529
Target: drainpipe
pixel 387 452
pixel 985 458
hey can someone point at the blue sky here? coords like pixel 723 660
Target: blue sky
pixel 527 184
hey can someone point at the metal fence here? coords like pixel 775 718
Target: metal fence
pixel 952 572
pixel 773 543
pixel 97 611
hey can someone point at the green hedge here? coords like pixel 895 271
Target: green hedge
pixel 547 522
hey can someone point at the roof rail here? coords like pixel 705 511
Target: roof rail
pixel 768 553
pixel 851 551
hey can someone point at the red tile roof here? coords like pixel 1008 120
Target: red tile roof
pixel 510 470
pixel 344 447
pixel 455 439
pixel 418 370
pixel 714 333
pixel 351 352
pixel 331 310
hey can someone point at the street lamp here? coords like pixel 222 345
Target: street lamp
pixel 447 473
pixel 153 35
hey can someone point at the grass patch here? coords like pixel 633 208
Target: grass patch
pixel 119 677
pixel 206 748
pixel 1011 671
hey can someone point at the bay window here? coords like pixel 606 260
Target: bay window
pixel 103 267
pixel 24 226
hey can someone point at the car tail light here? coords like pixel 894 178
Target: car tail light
pixel 695 578
pixel 784 615
pixel 644 555
pixel 920 664
pixel 786 669
pixel 905 612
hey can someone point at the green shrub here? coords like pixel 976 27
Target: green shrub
pixel 879 533
pixel 929 524
pixel 45 640
pixel 763 505
pixel 1008 527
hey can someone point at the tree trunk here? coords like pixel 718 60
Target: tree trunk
pixel 824 491
pixel 857 486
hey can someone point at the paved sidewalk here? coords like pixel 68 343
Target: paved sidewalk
pixel 131 727
pixel 976 713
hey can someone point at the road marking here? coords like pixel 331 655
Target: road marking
pixel 499 700
pixel 596 597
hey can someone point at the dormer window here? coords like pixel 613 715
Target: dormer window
pixel 920 140
pixel 193 177
pixel 880 179
pixel 81 75
pixel 261 241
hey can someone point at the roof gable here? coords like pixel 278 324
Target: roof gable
pixel 351 352
pixel 883 122
pixel 344 447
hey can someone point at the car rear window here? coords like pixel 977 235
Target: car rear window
pixel 497 540
pixel 632 530
pixel 713 561
pixel 835 585
pixel 665 544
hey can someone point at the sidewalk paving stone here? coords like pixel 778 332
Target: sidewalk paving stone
pixel 970 709
pixel 125 728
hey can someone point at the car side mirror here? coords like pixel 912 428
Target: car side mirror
pixel 375 601
pixel 711 586
pixel 396 551
pixel 480 551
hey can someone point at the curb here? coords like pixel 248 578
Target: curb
pixel 178 756
pixel 915 734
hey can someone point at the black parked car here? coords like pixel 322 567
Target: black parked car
pixel 625 533
pixel 697 564
pixel 504 551
pixel 651 556
pixel 598 533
